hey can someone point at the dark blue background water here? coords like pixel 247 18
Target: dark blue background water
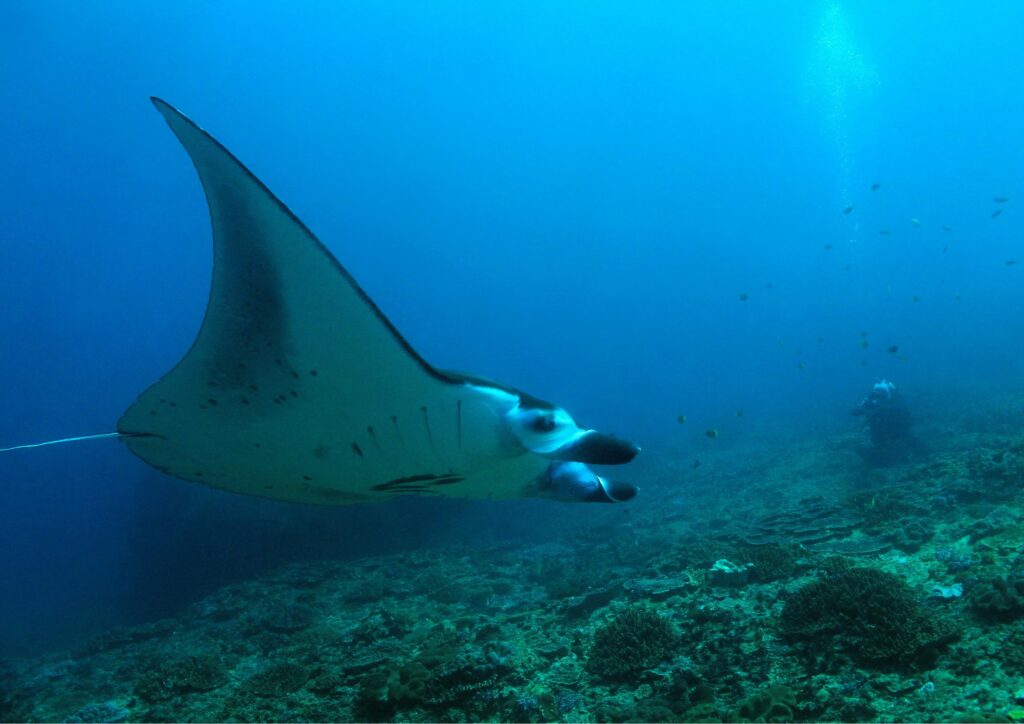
pixel 570 198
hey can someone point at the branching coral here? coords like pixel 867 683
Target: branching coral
pixel 636 639
pixel 871 615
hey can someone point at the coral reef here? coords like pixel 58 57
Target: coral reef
pixel 891 595
pixel 188 675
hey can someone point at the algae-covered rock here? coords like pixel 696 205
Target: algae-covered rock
pixel 910 534
pixel 636 639
pixel 278 679
pixel 193 674
pixel 382 691
pixel 771 562
pixel 106 712
pixel 872 616
pixel 995 521
pixel 774 704
pixel 703 712
pixel 288 618
pixel 727 574
pixel 590 600
pixel 380 625
pixel 999 599
pixel 620 708
pixel 998 466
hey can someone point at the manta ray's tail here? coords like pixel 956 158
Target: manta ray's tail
pixel 66 439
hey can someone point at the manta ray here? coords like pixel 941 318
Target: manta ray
pixel 298 388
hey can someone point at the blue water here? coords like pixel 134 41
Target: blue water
pixel 569 197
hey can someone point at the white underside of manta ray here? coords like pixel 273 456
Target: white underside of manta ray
pixel 298 388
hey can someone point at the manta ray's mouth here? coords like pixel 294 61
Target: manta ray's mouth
pixel 596 448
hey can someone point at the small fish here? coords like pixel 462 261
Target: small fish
pixel 1000 199
pixel 712 433
pixel 695 464
pixel 863 363
pixel 916 222
pixel 848 267
pixel 744 297
pixel 895 349
pixel 769 285
pixel 946 227
pixel 865 344
pixel 945 248
pixel 863 333
pixel 957 297
pixel 682 419
pixel 916 299
pixel 996 213
pixel 876 186
pixel 820 339
pixel 1011 262
pixel 848 209
pixel 801 366
pixel 828 247
pixel 884 232
pixel 739 413
pixel 781 343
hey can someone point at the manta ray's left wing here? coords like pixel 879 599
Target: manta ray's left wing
pixel 297 387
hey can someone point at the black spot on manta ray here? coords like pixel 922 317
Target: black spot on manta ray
pixel 357 449
pixel 447 480
pixel 417 482
pixel 312 373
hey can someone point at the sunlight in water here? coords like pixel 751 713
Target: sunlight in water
pixel 836 79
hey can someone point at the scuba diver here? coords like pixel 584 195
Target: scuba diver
pixel 888 422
